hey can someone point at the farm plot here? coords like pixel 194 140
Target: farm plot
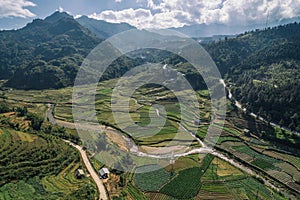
pixel 262 161
pixel 188 182
pixel 134 193
pixel 23 190
pixel 36 96
pixel 250 188
pixel 185 185
pixel 212 191
pixel 27 160
pixel 63 112
pixel 151 178
pixel 159 196
pixel 286 157
pixel 224 181
pixel 228 138
pixel 65 182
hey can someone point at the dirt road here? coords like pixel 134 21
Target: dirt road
pixel 204 149
pixel 92 172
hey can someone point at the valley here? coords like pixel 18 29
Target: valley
pixel 153 146
pixel 256 160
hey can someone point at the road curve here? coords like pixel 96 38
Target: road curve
pixel 203 149
pixel 87 163
pixel 92 172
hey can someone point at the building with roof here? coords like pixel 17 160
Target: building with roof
pixel 104 173
pixel 79 173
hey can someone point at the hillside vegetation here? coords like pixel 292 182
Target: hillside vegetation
pixel 263 68
pixel 45 53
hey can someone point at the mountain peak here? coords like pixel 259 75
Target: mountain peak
pixel 56 16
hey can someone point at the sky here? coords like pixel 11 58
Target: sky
pixel 153 13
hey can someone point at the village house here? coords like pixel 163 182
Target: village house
pixel 104 172
pixel 79 173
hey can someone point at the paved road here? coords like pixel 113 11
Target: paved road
pixel 92 172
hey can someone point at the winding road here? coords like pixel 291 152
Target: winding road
pixel 204 149
pixel 92 172
pixel 87 163
pixel 239 105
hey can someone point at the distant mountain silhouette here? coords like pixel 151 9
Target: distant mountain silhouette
pixel 103 29
pixel 204 30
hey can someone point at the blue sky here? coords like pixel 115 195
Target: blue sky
pixel 15 16
pixel 153 13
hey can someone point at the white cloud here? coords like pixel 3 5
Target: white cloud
pixel 118 1
pixel 77 16
pixel 175 13
pixel 16 8
pixel 140 18
pixel 60 9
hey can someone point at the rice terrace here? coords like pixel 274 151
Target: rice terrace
pixel 166 137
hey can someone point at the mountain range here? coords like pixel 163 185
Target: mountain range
pixel 103 29
pixel 204 30
pixel 263 66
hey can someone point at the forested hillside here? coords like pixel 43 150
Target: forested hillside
pixel 263 66
pixel 45 53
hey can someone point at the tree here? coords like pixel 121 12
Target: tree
pixel 36 121
pixel 22 111
pixel 4 108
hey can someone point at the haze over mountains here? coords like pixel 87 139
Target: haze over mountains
pixel 204 30
pixel 101 28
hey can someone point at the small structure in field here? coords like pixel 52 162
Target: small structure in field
pixel 104 172
pixel 197 122
pixel 79 173
pixel 247 132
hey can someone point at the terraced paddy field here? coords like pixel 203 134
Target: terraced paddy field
pixel 139 107
pixel 39 166
pixel 194 177
pixel 37 96
pixel 140 103
pixel 218 180
pixel 272 163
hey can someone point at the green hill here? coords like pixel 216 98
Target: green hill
pixel 264 68
pixel 44 54
pixel 262 65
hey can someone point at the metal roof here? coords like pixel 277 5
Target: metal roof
pixel 103 171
